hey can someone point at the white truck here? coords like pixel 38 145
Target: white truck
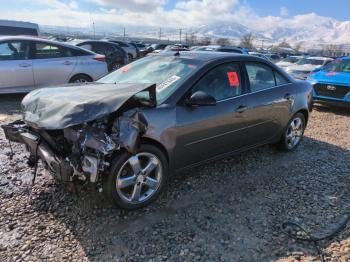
pixel 10 28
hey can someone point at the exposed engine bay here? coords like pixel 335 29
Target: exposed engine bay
pixel 82 151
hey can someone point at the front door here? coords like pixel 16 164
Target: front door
pixel 16 71
pixel 204 132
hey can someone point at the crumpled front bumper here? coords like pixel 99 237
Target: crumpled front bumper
pixel 19 132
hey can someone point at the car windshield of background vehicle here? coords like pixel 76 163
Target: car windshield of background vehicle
pixel 306 61
pixel 342 66
pixel 168 73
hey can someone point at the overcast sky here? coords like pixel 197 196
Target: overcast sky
pixel 259 14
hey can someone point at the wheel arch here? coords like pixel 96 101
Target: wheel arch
pixel 305 113
pixel 80 74
pixel 150 141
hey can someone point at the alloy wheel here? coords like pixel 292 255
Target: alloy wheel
pixel 80 80
pixel 294 132
pixel 139 178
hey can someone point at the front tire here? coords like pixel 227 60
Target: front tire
pixel 294 133
pixel 135 181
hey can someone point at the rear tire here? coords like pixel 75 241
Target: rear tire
pixel 293 133
pixel 130 57
pixel 80 79
pixel 115 66
pixel 135 181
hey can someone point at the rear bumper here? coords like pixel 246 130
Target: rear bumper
pixel 19 132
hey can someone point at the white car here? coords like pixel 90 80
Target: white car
pixel 27 63
pixel 288 61
pixel 304 66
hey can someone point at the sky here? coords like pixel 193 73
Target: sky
pixel 259 14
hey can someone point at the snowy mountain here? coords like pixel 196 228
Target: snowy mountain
pixel 328 31
pixel 311 32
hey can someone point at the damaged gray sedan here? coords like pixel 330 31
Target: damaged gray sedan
pixel 127 132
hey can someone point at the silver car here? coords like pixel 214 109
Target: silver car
pixel 27 63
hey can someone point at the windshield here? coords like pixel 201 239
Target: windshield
pixel 338 66
pixel 291 59
pixel 167 72
pixel 310 61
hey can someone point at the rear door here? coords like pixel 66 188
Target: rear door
pixel 269 102
pixel 16 71
pixel 52 64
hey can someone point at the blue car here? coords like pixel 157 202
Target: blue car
pixel 331 84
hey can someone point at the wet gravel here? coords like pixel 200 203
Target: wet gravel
pixel 229 210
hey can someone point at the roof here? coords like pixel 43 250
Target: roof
pixel 12 23
pixel 38 39
pixel 208 56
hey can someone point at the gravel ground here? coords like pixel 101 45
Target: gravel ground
pixel 229 210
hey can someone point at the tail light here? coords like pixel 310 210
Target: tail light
pixel 100 58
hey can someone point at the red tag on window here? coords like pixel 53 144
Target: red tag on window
pixel 233 79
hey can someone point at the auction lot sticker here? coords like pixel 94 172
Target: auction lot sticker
pixel 171 80
pixel 233 79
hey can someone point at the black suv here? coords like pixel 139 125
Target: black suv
pixel 116 57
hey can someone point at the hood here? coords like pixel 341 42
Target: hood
pixel 337 78
pixel 62 107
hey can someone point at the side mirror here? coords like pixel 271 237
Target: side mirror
pixel 201 98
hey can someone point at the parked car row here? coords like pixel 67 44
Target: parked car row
pixel 27 63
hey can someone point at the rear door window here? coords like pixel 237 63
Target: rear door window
pixel 47 50
pixel 260 76
pixel 222 82
pixel 14 50
pixel 280 80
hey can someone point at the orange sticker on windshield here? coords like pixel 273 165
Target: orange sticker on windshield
pixel 233 79
pixel 126 68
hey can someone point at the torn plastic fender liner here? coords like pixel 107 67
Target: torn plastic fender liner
pixel 130 127
pixel 62 107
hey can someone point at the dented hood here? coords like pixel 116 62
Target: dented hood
pixel 61 107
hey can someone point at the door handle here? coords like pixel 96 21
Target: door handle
pixel 241 108
pixel 288 96
pixel 24 65
pixel 67 62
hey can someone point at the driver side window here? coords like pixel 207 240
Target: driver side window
pixel 222 82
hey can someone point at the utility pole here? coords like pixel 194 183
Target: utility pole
pixel 93 26
pixel 124 33
pixel 160 33
pixel 180 34
pixel 186 39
